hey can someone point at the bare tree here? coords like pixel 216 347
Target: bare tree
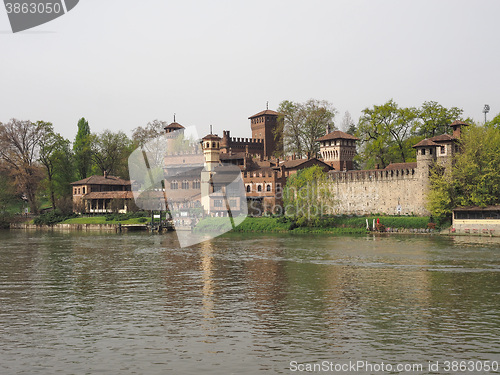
pixel 19 148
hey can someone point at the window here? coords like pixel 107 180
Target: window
pixel 443 149
pixel 174 185
pixel 268 187
pixel 259 188
pixel 249 188
pixel 185 185
pixel 218 203
pixel 430 151
pixel 213 144
pixel 196 184
pixel 278 187
pixel 208 145
pixel 83 190
pixel 423 151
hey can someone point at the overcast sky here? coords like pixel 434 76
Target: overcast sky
pixel 122 63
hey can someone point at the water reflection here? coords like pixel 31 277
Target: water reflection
pixel 242 303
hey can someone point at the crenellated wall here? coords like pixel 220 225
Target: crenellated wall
pixel 391 192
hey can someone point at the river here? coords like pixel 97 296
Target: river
pixel 87 303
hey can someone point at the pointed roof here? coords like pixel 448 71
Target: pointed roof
pixel 458 123
pixel 337 134
pixel 266 112
pixel 425 143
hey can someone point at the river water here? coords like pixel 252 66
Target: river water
pixel 79 303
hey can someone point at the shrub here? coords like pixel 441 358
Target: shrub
pixel 52 217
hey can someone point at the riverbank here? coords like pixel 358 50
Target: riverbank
pixel 332 225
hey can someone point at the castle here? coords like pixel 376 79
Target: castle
pixel 398 189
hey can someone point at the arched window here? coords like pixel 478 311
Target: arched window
pixel 268 187
pixel 259 188
pixel 249 188
pixel 174 185
pixel 185 184
pixel 196 184
pixel 208 144
pixel 213 144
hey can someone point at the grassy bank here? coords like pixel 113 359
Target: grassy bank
pixel 102 220
pixel 335 225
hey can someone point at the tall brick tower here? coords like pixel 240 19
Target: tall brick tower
pixel 263 125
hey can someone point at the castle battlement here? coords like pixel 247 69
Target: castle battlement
pixel 373 175
pixel 246 140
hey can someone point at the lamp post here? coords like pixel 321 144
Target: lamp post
pixel 486 109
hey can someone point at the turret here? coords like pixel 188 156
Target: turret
pixel 211 151
pixel 338 149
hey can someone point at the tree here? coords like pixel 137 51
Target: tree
pixel 495 123
pixel 82 149
pixel 141 135
pixel 19 149
pixel 474 179
pixel 436 119
pixel 303 123
pixel 388 134
pixel 307 193
pixel 110 152
pixel 55 156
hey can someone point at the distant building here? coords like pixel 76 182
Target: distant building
pixel 102 194
pixel 476 220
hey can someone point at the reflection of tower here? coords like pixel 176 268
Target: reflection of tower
pixel 207 277
pixel 211 152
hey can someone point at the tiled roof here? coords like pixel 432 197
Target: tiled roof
pixel 109 195
pixel 174 125
pixel 477 208
pixel 442 138
pixel 456 123
pixel 425 143
pixel 266 112
pixel 337 134
pixel 214 137
pixel 101 180
pixel 290 164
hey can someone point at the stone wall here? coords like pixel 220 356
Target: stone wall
pixel 390 192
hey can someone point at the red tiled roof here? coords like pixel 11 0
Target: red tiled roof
pixel 101 180
pixel 290 164
pixel 394 166
pixel 266 112
pixel 214 137
pixel 337 134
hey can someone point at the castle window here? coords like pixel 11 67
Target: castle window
pixel 423 151
pixel 268 187
pixel 196 184
pixel 249 188
pixel 185 185
pixel 208 144
pixel 430 151
pixel 259 188
pixel 174 185
pixel 443 149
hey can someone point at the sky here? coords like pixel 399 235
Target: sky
pixel 123 63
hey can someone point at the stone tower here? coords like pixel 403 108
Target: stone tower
pixel 211 153
pixel 263 126
pixel 338 150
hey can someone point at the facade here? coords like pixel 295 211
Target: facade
pixel 102 194
pixel 476 220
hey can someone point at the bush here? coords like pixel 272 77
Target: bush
pixel 52 217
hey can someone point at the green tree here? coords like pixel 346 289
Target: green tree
pixel 495 123
pixel 82 149
pixel 387 133
pixel 436 119
pixel 307 193
pixel 56 157
pixel 110 152
pixel 474 179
